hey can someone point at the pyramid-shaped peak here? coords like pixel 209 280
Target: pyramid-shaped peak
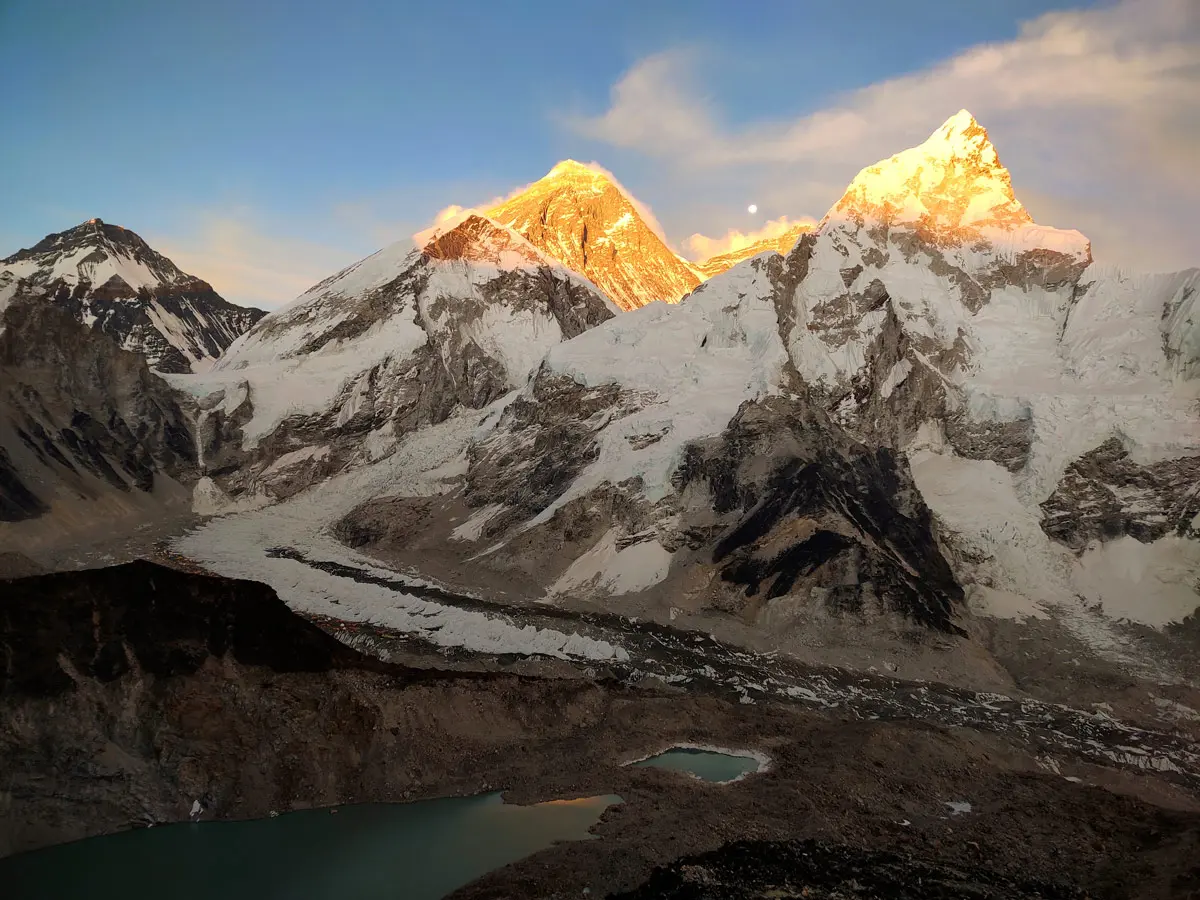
pixel 97 228
pixel 579 215
pixel 951 185
pixel 96 235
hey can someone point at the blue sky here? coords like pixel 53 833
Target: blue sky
pixel 264 144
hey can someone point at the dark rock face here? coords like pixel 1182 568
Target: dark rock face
pixel 153 620
pixel 1104 495
pixel 17 501
pixel 74 405
pixel 812 509
pixel 207 323
pixel 127 693
pixel 756 870
pixel 176 319
pixel 542 444
pixel 1006 443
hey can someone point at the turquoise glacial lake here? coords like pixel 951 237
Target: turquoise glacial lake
pixel 397 851
pixel 708 765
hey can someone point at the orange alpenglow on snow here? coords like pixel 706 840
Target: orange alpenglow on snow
pixel 952 187
pixel 579 216
pixel 742 247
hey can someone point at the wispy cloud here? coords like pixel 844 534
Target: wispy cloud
pixel 701 247
pixel 441 219
pixel 247 265
pixel 1096 112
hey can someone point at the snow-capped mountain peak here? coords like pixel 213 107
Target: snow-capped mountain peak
pixel 573 169
pixel 952 187
pixel 959 130
pixel 107 277
pixel 100 254
pixel 399 339
pixel 581 217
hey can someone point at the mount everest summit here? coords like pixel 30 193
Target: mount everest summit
pixel 927 408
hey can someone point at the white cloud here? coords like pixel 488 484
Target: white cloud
pixel 1095 112
pixel 701 247
pixel 446 219
pixel 247 266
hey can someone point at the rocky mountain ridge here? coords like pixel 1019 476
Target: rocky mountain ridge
pixel 393 343
pixel 780 243
pixel 928 324
pixel 140 695
pixel 107 277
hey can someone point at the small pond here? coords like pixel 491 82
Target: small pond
pixel 398 851
pixel 706 764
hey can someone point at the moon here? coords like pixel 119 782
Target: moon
pixel 752 209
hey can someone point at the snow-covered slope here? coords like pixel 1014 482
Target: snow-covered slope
pixel 578 216
pixel 392 343
pixel 790 435
pixel 110 279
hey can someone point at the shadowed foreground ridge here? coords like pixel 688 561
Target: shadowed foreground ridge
pixel 154 619
pixel 748 870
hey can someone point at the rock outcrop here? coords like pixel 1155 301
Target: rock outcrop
pixel 757 870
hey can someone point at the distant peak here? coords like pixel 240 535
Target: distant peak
pixel 99 226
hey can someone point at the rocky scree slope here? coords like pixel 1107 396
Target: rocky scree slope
pixel 107 277
pixel 577 215
pixel 82 420
pixel 946 379
pixel 393 343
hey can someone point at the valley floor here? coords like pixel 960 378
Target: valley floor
pixel 999 792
